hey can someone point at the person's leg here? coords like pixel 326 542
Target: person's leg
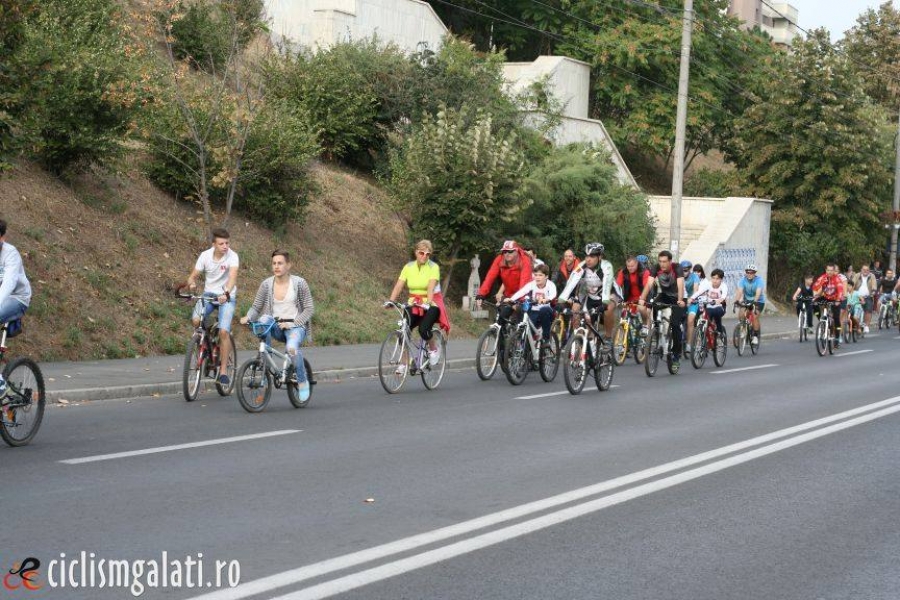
pixel 759 310
pixel 430 317
pixel 609 317
pixel 505 311
pixel 691 319
pixel 867 307
pixel 226 316
pixel 295 337
pixel 675 331
pixel 11 309
pixel 545 319
pixel 716 313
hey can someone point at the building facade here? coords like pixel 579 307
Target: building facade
pixel 778 19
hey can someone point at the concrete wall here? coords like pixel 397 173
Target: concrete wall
pixel 569 81
pixel 321 23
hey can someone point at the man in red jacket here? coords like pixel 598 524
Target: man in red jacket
pixel 513 267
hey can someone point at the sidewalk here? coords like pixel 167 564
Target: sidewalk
pixel 161 375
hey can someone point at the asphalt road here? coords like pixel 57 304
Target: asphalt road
pixel 775 482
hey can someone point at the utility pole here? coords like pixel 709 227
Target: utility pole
pixel 680 128
pixel 893 222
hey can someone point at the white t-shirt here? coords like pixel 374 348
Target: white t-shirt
pixel 716 295
pixel 287 308
pixel 547 293
pixel 216 272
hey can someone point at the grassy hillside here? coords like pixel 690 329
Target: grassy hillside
pixel 105 252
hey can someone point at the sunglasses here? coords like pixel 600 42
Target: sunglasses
pixel 423 253
pixel 750 272
pixel 509 252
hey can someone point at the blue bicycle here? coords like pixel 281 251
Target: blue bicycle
pixel 257 376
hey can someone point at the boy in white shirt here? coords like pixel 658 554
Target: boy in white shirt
pixel 716 292
pixel 542 291
pixel 219 266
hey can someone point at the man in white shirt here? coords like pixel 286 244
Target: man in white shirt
pixel 219 266
pixel 15 291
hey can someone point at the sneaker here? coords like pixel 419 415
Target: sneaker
pixel 754 341
pixel 223 380
pixel 434 356
pixel 865 329
pixel 688 349
pixel 400 370
pixel 303 390
pixel 645 331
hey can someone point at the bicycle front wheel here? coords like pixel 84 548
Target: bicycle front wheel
pixel 575 367
pixel 651 362
pixel 192 372
pixel 740 338
pixel 620 344
pixel 393 363
pixel 433 374
pixel 293 388
pixel 698 352
pixel 487 354
pixel 721 348
pixel 231 371
pixel 604 370
pixel 822 342
pixel 517 351
pixel 254 385
pixel 23 409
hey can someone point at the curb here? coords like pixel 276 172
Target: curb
pixel 167 388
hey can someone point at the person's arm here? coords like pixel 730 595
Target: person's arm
pixel 759 290
pixel 701 289
pixel 429 294
pixel 550 292
pixel 574 278
pixel 608 278
pixel 258 303
pixel 304 303
pixel 491 276
pixel 523 291
pixel 13 270
pixel 398 287
pixel 651 281
pixel 796 294
pixel 680 282
pixel 232 281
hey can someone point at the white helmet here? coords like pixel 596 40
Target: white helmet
pixel 751 267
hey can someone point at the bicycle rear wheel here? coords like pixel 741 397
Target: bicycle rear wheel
pixel 393 363
pixel 574 368
pixel 231 371
pixel 620 344
pixel 487 354
pixel 192 372
pixel 23 408
pixel 254 385
pixel 433 374
pixel 549 359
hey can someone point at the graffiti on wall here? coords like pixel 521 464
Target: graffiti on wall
pixel 733 261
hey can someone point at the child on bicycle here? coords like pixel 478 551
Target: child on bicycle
pixel 542 292
pixel 716 291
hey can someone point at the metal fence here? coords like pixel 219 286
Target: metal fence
pixel 733 261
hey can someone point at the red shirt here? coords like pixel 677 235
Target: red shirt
pixel 633 289
pixel 830 286
pixel 513 277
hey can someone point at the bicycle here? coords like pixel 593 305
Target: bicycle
pixel 489 350
pixel 22 407
pixel 582 355
pixel 525 351
pixel 825 338
pixel 708 337
pixel 201 358
pixel 628 336
pixel 887 313
pixel 855 324
pixel 560 327
pixel 744 331
pixel 804 303
pixel 258 375
pixel 660 340
pixel 394 363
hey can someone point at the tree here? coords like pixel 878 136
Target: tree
pixel 820 149
pixel 873 46
pixel 457 177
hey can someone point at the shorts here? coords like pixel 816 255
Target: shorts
pixel 693 309
pixel 869 303
pixel 592 306
pixel 226 311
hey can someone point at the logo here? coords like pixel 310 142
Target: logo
pixel 23 575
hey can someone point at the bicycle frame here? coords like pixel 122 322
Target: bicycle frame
pixel 416 349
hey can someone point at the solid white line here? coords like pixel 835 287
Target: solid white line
pixel 362 578
pixel 300 574
pixel 240 438
pixel 852 353
pixel 549 394
pixel 741 369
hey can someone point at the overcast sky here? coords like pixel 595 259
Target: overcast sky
pixel 835 15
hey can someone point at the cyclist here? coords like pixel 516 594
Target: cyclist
pixel 805 290
pixel 631 280
pixel 594 280
pixel 15 291
pixel 568 264
pixel 830 286
pixel 752 289
pixel 219 267
pixel 691 284
pixel 864 283
pixel 716 291
pixel 886 287
pixel 668 282
pixel 513 267
pixel 286 299
pixel 541 291
pixel 425 306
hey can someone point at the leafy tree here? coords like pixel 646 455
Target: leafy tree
pixel 822 151
pixel 577 198
pixel 456 177
pixel 873 46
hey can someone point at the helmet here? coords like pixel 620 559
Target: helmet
pixel 686 264
pixel 642 259
pixel 593 249
pixel 751 267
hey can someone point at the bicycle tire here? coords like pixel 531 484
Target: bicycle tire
pixel 620 344
pixel 23 406
pixel 231 367
pixel 699 350
pixel 672 360
pixel 558 331
pixel 720 351
pixel 517 358
pixel 639 345
pixel 432 375
pixel 754 347
pixel 549 359
pixel 740 338
pixel 801 320
pixel 487 354
pixel 293 389
pixel 604 370
pixel 393 368
pixel 575 366
pixel 192 371
pixel 651 362
pixel 821 338
pixel 254 385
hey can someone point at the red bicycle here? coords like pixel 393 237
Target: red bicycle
pixel 708 337
pixel 743 335
pixel 201 359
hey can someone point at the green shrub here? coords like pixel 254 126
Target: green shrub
pixel 207 33
pixel 709 183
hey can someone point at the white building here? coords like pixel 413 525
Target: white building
pixel 410 24
pixel 778 19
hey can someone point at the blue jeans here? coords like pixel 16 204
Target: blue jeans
pixel 543 318
pixel 11 309
pixel 226 311
pixel 292 339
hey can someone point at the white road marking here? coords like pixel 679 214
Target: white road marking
pixel 229 440
pixel 855 352
pixel 741 369
pixel 300 574
pixel 549 394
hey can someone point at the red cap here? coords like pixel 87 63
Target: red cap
pixel 509 245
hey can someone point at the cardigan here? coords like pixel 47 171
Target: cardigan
pixel 263 303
